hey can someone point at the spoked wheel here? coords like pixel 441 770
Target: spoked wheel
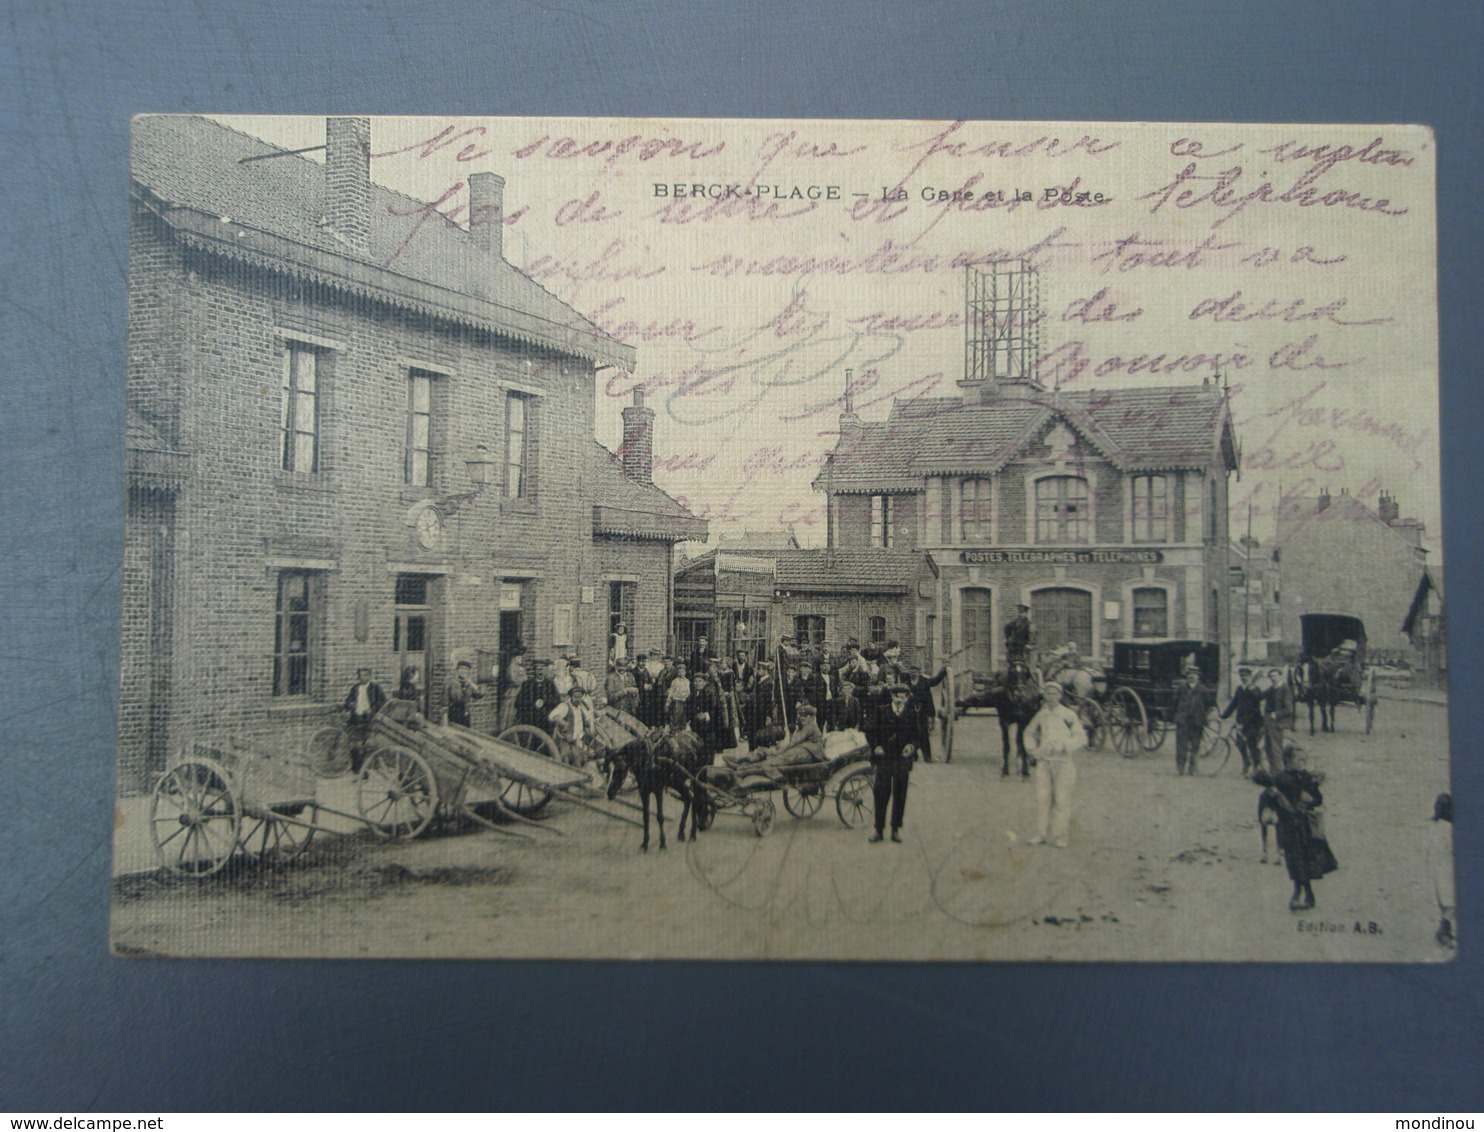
pixel 1154 733
pixel 194 818
pixel 762 814
pixel 947 716
pixel 1093 724
pixel 272 840
pixel 520 797
pixel 1126 721
pixel 1214 758
pixel 803 801
pixel 853 797
pixel 329 753
pixel 397 794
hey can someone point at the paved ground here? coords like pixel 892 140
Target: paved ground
pixel 1160 867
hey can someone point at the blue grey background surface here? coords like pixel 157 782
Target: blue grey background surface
pixel 81 1030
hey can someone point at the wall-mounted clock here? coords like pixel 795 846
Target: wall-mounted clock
pixel 427 526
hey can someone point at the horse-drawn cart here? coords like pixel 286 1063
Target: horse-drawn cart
pixel 746 789
pixel 242 801
pixel 1334 669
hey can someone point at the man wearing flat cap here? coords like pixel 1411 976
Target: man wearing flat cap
pixel 1246 704
pixel 893 740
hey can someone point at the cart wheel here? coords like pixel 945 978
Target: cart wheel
pixel 329 753
pixel 1094 724
pixel 397 794
pixel 194 818
pixel 275 842
pixel 1370 714
pixel 1126 721
pixel 853 797
pixel 762 812
pixel 803 802
pixel 1154 734
pixel 527 801
pixel 1214 758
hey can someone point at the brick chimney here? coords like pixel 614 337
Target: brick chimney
pixel 850 421
pixel 1323 501
pixel 487 212
pixel 637 450
pixel 1388 508
pixel 348 181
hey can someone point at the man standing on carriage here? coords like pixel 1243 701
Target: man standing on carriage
pixel 1246 704
pixel 1018 636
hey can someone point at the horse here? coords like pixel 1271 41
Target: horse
pixel 1015 698
pixel 659 761
pixel 1331 680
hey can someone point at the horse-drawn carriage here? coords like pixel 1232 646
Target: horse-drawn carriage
pixel 746 787
pixel 1139 705
pixel 1333 668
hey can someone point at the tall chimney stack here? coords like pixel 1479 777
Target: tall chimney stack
pixel 348 181
pixel 637 452
pixel 1323 504
pixel 487 212
pixel 1388 508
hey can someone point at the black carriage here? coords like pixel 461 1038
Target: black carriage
pixel 1333 669
pixel 1138 708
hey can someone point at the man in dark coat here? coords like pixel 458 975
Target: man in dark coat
pixel 762 704
pixel 1018 635
pixel 921 702
pixel 652 679
pixel 1277 717
pixel 1246 704
pixel 813 690
pixel 365 698
pixel 1191 705
pixel 847 713
pixel 893 739
pixel 707 700
pixel 537 697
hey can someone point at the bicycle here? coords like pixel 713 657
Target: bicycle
pixel 1215 749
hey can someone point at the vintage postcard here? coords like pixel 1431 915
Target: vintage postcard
pixel 783 540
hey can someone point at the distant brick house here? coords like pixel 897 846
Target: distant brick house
pixel 823 598
pixel 356 436
pixel 1337 554
pixel 1105 512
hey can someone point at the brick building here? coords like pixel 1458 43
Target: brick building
pixel 1105 512
pixel 356 436
pixel 1336 554
pixel 823 598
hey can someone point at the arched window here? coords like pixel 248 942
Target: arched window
pixel 1060 615
pixel 1062 508
pixel 1151 613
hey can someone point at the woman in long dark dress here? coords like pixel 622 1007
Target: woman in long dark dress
pixel 1300 828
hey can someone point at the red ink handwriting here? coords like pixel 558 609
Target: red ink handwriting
pixel 1191 189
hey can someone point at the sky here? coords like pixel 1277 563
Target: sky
pixel 1294 264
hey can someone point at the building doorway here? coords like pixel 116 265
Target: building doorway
pixel 1061 615
pixel 412 618
pixel 976 635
